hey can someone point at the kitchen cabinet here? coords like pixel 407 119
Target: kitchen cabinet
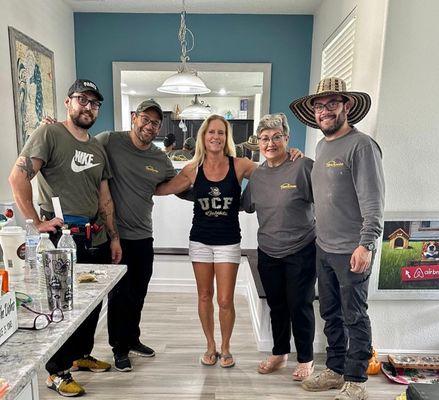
pixel 242 128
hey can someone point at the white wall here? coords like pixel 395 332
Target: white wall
pixel 51 24
pixel 397 63
pixel 407 130
pixel 370 26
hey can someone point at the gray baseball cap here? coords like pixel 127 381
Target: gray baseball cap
pixel 147 104
pixel 189 143
pixel 85 85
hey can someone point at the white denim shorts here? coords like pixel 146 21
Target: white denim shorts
pixel 206 253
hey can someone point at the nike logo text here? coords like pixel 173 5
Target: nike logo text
pixel 82 161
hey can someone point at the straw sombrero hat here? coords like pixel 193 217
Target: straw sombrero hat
pixel 251 143
pixel 360 102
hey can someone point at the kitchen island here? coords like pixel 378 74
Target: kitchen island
pixel 26 351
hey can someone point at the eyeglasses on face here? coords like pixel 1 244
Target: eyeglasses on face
pixel 278 138
pixel 146 121
pixel 43 320
pixel 83 101
pixel 330 106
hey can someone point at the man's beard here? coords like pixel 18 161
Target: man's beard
pixel 142 139
pixel 338 123
pixel 81 124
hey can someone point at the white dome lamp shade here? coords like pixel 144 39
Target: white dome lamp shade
pixel 185 81
pixel 197 110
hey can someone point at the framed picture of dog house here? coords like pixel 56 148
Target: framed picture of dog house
pixel 406 265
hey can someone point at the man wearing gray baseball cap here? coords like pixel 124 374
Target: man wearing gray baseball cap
pixel 138 166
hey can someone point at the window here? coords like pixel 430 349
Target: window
pixel 338 51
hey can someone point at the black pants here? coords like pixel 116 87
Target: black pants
pixel 82 340
pixel 343 307
pixel 125 301
pixel 289 286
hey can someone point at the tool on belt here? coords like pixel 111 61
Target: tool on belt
pixel 82 228
pixel 87 230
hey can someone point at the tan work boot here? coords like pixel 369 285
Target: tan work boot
pixel 352 391
pixel 325 380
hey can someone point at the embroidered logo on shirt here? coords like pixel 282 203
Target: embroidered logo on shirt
pixel 82 161
pixel 335 164
pixel 288 186
pixel 150 168
pixel 214 191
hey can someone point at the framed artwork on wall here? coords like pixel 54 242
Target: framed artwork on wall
pixel 33 81
pixel 407 262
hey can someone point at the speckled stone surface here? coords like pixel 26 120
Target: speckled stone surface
pixel 27 351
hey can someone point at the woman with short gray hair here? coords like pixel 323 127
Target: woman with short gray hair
pixel 279 190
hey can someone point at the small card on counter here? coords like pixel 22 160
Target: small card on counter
pixel 8 316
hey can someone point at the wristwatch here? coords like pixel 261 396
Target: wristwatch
pixel 370 246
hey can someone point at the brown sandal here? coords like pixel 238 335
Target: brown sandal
pixel 212 357
pixel 267 366
pixel 224 358
pixel 303 371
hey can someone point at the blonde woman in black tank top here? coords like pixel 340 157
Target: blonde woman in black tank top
pixel 216 175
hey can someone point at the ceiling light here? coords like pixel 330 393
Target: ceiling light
pixel 197 110
pixel 123 84
pixel 185 81
pixel 133 92
pixel 222 92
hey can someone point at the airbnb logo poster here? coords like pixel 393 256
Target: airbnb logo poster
pixel 420 273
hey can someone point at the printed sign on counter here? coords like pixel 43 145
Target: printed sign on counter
pixel 8 316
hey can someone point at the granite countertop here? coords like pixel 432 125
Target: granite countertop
pixel 27 351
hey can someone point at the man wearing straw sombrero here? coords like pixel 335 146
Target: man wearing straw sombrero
pixel 249 148
pixel 348 188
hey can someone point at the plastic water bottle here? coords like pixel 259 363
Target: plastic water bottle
pixel 32 238
pixel 67 242
pixel 43 245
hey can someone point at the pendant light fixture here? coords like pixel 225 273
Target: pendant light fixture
pixel 197 110
pixel 185 81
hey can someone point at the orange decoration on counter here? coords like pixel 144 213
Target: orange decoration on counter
pixel 5 280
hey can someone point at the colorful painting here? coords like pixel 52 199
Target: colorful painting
pixel 33 78
pixel 410 256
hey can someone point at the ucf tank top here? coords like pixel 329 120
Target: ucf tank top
pixel 216 209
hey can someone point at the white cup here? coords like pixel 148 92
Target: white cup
pixel 12 241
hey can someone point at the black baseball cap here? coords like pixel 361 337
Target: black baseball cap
pixel 169 139
pixel 147 104
pixel 85 85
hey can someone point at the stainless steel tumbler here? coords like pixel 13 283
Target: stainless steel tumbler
pixel 58 269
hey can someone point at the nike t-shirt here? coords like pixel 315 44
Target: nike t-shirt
pixel 72 170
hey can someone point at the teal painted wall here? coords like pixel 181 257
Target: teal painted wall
pixel 282 40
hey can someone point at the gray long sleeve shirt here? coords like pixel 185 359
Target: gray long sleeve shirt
pixel 282 198
pixel 348 186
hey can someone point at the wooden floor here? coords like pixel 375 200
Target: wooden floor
pixel 170 325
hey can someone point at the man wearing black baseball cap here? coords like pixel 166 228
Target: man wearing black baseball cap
pixel 85 85
pixel 169 143
pixel 73 165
